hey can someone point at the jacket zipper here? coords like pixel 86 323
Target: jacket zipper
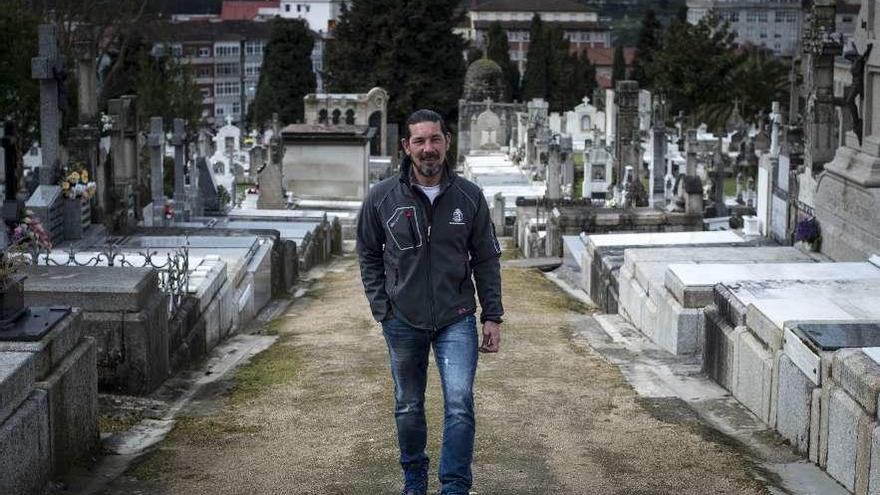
pixel 430 220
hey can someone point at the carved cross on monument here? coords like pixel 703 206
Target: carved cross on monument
pixel 48 68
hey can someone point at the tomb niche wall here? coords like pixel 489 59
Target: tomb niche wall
pixel 848 191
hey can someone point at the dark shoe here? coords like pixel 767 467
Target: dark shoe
pixel 416 480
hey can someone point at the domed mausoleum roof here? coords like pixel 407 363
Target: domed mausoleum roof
pixel 484 79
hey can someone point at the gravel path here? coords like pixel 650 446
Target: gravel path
pixel 313 415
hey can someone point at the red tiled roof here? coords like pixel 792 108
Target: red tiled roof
pixel 240 10
pixel 525 25
pixel 605 56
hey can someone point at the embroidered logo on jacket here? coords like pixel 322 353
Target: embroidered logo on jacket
pixel 457 217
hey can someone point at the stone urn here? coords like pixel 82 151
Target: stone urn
pixel 11 299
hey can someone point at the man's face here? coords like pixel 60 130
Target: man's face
pixel 427 146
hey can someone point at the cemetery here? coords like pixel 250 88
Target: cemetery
pixel 751 254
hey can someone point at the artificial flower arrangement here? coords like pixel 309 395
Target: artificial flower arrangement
pixel 27 236
pixel 807 231
pixel 75 184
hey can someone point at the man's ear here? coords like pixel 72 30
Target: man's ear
pixel 448 140
pixel 405 144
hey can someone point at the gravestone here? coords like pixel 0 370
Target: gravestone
pixel 178 141
pixel 207 191
pixel 658 158
pixel 271 190
pixel 47 204
pixel 626 127
pixel 123 143
pixel 156 143
pixel 554 185
pixel 566 148
pixel 48 68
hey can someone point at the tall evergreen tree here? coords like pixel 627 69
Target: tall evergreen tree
pixel 498 50
pixel 287 74
pixel 618 69
pixel 534 83
pixel 166 88
pixel 410 50
pixel 649 40
pixel 19 93
pixel 590 83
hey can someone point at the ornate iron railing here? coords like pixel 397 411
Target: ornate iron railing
pixel 172 266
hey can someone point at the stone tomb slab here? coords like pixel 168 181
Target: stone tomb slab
pixel 18 372
pixel 645 300
pixel 24 441
pixel 621 242
pixel 693 286
pixel 122 309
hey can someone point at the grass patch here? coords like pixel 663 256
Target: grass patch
pixel 119 423
pixel 543 295
pixel 155 466
pixel 198 430
pixel 275 366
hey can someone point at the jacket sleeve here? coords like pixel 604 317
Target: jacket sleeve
pixel 485 252
pixel 370 248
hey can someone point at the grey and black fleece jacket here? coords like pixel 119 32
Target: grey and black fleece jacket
pixel 419 261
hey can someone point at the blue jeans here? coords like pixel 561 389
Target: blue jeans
pixel 456 351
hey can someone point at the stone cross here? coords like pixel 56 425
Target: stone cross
pixel 48 68
pixel 626 128
pixel 775 124
pixel 123 145
pixel 156 143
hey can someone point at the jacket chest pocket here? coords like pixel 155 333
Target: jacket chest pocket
pixel 403 228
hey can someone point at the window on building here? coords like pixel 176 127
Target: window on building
pixel 287 7
pixel 786 16
pixel 204 71
pixel 336 115
pixel 308 8
pixel 252 70
pixel 226 70
pixel 322 116
pixel 299 8
pixel 176 50
pixel 204 51
pixel 349 117
pixel 219 111
pixel 227 88
pixel 236 109
pixel 226 51
pixel 253 48
pixel 206 92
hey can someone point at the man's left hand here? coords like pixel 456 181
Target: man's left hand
pixel 491 337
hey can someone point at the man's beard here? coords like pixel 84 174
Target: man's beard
pixel 430 170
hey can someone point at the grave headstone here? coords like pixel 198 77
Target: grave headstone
pixel 554 186
pixel 48 68
pixel 626 128
pixel 178 141
pixel 207 191
pixel 123 144
pixel 156 143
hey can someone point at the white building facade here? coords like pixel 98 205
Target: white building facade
pixel 773 24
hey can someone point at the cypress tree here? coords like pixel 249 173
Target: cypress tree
pixel 649 41
pixel 410 51
pixel 618 69
pixel 498 50
pixel 287 73
pixel 534 84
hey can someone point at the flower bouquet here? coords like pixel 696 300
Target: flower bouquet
pixel 76 185
pixel 27 236
pixel 807 232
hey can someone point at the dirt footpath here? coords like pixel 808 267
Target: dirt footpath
pixel 313 414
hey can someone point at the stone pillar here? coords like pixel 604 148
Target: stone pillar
pixel 498 213
pixel 658 157
pixel 820 48
pixel 554 185
pixel 156 143
pixel 566 149
pixel 86 74
pixel 178 140
pixel 626 127
pixel 46 68
pixel 123 148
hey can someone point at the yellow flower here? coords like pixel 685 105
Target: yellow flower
pixel 74 177
pixel 84 175
pixel 65 185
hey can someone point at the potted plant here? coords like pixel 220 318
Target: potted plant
pixel 807 234
pixel 27 236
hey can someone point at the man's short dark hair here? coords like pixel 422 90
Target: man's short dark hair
pixel 425 115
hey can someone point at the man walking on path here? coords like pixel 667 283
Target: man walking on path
pixel 423 236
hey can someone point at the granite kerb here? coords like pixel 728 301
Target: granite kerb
pixel 24 440
pixel 18 372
